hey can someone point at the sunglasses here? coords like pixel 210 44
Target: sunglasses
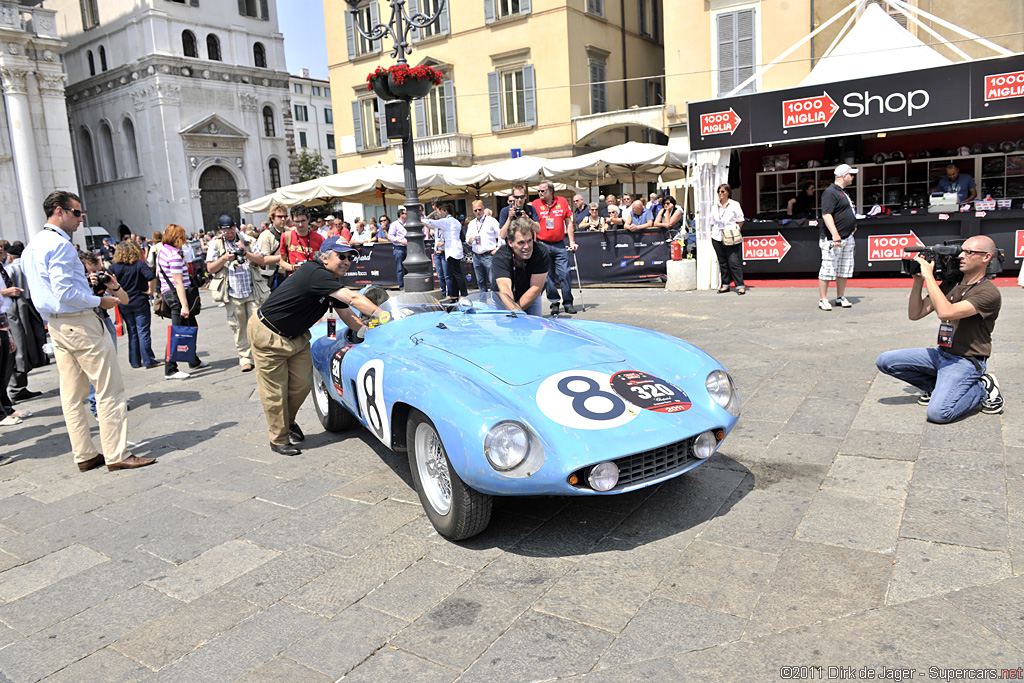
pixel 350 256
pixel 77 213
pixel 519 196
pixel 972 252
pixel 280 216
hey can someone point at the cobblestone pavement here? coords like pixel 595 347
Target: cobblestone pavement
pixel 836 528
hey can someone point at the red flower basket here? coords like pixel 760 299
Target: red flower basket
pixel 402 81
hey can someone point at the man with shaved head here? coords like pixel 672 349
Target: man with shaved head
pixel 953 376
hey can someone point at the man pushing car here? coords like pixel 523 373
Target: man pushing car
pixel 279 335
pixel 521 267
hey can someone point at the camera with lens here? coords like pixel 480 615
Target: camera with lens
pixel 518 212
pixel 102 280
pixel 239 253
pixel 946 257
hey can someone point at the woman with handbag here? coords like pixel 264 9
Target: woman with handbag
pixel 177 291
pixel 726 224
pixel 137 279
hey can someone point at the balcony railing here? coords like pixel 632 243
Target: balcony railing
pixel 35 20
pixel 455 149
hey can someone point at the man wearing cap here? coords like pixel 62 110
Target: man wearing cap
pixel 835 238
pixel 237 281
pixel 279 336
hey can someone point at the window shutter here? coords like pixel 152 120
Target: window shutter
pixel 350 34
pixel 443 25
pixel 529 95
pixel 241 7
pixel 745 48
pixel 357 125
pixel 654 21
pixel 414 7
pixel 382 123
pixel 489 13
pixel 494 93
pixel 641 17
pixel 524 6
pixel 378 46
pixel 264 10
pixel 420 110
pixel 726 53
pixel 448 88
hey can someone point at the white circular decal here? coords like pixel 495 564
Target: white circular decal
pixel 370 394
pixel 583 399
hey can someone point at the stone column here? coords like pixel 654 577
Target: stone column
pixel 19 119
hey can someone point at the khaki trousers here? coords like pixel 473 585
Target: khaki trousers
pixel 239 311
pixel 85 353
pixel 284 376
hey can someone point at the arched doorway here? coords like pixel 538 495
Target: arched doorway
pixel 218 195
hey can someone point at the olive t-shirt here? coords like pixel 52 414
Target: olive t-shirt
pixel 302 299
pixel 505 265
pixel 973 335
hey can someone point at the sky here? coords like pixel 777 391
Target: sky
pixel 305 46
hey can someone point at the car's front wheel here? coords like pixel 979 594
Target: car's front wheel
pixel 455 510
pixel 332 415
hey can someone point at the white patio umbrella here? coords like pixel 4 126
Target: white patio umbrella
pixel 636 161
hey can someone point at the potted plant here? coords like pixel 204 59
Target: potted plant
pixel 402 81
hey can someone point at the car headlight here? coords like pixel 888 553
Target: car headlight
pixel 704 445
pixel 506 445
pixel 723 390
pixel 604 476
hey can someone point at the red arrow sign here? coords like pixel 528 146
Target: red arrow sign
pixel 890 247
pixel 765 247
pixel 1019 246
pixel 1004 86
pixel 808 111
pixel 719 122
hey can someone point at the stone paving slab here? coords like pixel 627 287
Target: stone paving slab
pixel 835 527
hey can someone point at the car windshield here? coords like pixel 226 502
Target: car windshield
pixel 414 303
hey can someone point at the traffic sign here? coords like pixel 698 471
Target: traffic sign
pixel 890 247
pixel 765 247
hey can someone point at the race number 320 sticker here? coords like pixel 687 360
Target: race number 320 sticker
pixel 583 399
pixel 650 392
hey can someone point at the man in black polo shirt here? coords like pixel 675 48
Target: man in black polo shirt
pixel 279 336
pixel 521 267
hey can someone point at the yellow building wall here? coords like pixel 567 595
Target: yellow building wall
pixel 555 34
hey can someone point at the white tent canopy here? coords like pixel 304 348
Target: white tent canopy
pixel 632 161
pixel 875 45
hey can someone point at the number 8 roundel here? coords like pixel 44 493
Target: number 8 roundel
pixel 584 399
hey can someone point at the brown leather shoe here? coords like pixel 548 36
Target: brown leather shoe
pixel 130 463
pixel 91 463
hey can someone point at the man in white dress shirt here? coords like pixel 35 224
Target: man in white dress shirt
pixel 483 235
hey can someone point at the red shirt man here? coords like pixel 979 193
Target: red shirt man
pixel 299 245
pixel 554 214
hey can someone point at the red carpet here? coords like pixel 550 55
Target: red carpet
pixel 867 282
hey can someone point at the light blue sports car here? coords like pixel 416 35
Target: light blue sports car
pixel 488 402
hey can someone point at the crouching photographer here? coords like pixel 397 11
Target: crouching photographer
pixel 953 376
pixel 103 283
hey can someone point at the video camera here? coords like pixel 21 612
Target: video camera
pixel 946 257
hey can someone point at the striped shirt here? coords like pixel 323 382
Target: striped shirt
pixel 170 261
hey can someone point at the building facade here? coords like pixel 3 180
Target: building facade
pixel 313 114
pixel 180 109
pixel 35 144
pixel 539 76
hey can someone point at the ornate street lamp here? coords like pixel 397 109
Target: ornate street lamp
pixel 418 276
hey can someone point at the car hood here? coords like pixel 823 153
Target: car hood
pixel 519 350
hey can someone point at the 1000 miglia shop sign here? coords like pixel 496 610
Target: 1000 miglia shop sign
pixel 958 93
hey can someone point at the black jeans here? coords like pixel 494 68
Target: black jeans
pixel 176 319
pixel 456 278
pixel 730 260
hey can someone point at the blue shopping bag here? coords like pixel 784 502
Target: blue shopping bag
pixel 181 343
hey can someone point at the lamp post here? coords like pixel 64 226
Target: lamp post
pixel 418 276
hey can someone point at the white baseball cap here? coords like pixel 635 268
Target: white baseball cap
pixel 843 169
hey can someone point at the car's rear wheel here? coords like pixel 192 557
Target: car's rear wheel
pixel 455 510
pixel 332 416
